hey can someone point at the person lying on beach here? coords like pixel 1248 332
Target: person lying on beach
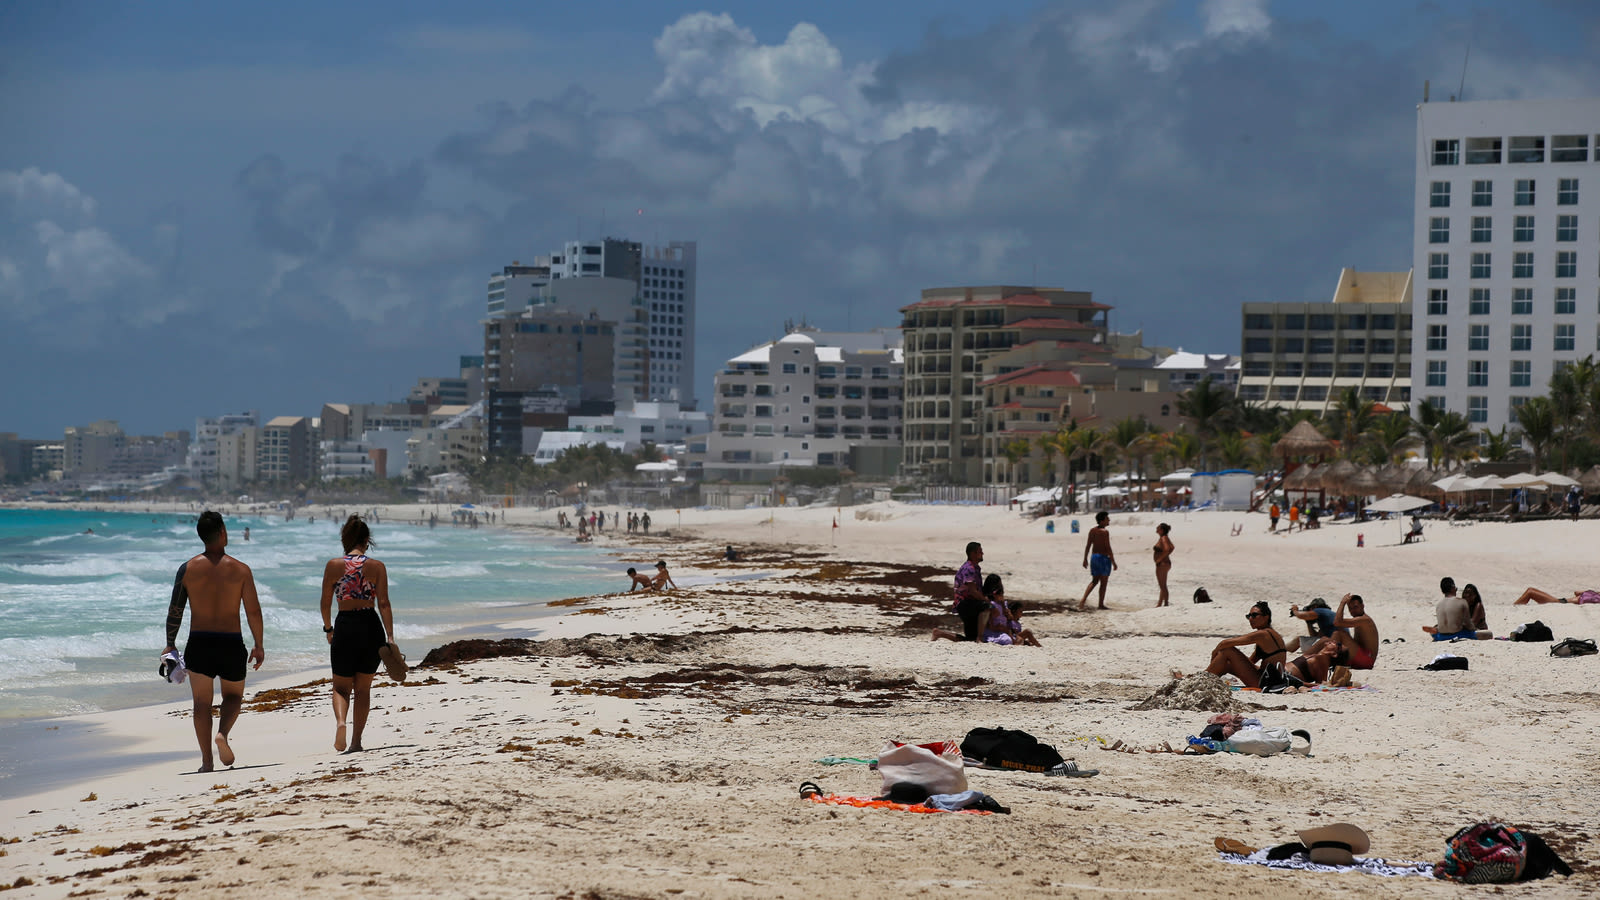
pixel 1453 617
pixel 639 581
pixel 1538 596
pixel 662 579
pixel 215 586
pixel 1270 649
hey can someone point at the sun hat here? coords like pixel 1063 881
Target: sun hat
pixel 1335 845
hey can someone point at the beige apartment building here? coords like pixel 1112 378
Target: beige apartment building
pixel 287 449
pixel 1304 355
pixel 956 337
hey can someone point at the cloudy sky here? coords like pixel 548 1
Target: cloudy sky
pixel 206 208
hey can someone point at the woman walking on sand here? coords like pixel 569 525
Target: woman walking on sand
pixel 1163 552
pixel 360 585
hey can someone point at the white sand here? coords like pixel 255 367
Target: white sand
pixel 506 778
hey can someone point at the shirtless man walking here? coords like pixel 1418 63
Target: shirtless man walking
pixel 1098 558
pixel 218 585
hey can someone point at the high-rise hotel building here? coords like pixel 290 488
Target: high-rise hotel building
pixel 1507 251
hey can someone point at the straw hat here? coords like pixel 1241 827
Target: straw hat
pixel 1335 845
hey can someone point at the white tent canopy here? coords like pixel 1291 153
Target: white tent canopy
pixel 1522 480
pixel 1180 477
pixel 1398 503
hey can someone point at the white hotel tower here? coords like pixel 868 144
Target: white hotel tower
pixel 1507 251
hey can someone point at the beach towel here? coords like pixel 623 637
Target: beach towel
pixel 1368 865
pixel 936 767
pixel 871 803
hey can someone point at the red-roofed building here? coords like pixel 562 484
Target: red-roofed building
pixel 954 338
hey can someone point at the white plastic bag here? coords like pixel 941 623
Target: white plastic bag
pixel 1268 740
pixel 935 767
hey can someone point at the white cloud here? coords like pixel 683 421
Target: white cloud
pixel 32 195
pixel 1246 17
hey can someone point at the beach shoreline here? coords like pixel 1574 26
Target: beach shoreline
pixel 651 744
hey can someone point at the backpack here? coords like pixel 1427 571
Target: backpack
pixel 1574 647
pixel 1488 852
pixel 1004 748
pixel 1536 631
pixel 1200 595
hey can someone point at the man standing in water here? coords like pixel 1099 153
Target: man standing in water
pixel 1098 558
pixel 218 585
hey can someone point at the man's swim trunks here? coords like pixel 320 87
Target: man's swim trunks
pixel 970 609
pixel 1469 634
pixel 216 654
pixel 357 636
pixel 1099 565
pixel 1360 658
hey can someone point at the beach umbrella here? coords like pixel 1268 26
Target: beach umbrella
pixel 1304 478
pixel 1362 482
pixel 1452 484
pixel 1523 480
pixel 1421 482
pixel 1556 479
pixel 1399 503
pixel 1303 440
pixel 1590 480
pixel 1394 478
pixel 1336 473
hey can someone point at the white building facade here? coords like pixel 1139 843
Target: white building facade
pixel 1507 251
pixel 202 457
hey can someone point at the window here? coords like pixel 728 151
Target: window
pixel 1483 193
pixel 1477 409
pixel 788 368
pixel 1355 321
pixel 1385 322
pixel 1522 265
pixel 1566 301
pixel 1355 345
pixel 1447 151
pixel 1567 192
pixel 1351 369
pixel 1566 229
pixel 1291 369
pixel 1438 265
pixel 1257 367
pixel 1563 148
pixel 1291 345
pixel 1257 322
pixel 1521 373
pixel 1522 230
pixel 1437 337
pixel 1258 345
pixel 1435 401
pixel 1438 302
pixel 1319 370
pixel 1320 345
pixel 1380 370
pixel 1522 301
pixel 1319 323
pixel 1436 368
pixel 1294 322
pixel 1479 305
pixel 1480 265
pixel 1526 149
pixel 1521 338
pixel 1382 345
pixel 1477 373
pixel 1478 337
pixel 1439 195
pixel 1483 151
pixel 1482 229
pixel 1566 337
pixel 1314 393
pixel 1524 193
pixel 1287 392
pixel 1566 264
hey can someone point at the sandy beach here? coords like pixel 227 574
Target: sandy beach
pixel 652 745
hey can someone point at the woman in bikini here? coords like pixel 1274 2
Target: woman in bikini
pixel 1270 649
pixel 360 585
pixel 1163 552
pixel 1538 596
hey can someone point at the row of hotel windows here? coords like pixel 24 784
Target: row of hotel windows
pixel 1478 373
pixel 1324 322
pixel 1480 304
pixel 1319 345
pixel 1478 406
pixel 1486 151
pixel 1521 264
pixel 1565 338
pixel 1298 369
pixel 1524 192
pixel 1483 229
pixel 1314 393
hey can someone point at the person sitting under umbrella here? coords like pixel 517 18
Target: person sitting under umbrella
pixel 1416 528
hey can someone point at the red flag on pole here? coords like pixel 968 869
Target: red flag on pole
pixel 836 523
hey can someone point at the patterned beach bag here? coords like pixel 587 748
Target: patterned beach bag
pixel 1485 853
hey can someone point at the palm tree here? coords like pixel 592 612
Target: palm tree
pixel 1349 420
pixel 1437 427
pixel 1184 447
pixel 1058 444
pixel 1122 437
pixel 1206 405
pixel 1087 445
pixel 1570 388
pixel 1499 446
pixel 1015 452
pixel 1391 435
pixel 1233 448
pixel 1539 429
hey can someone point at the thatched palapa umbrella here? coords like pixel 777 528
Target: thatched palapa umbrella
pixel 1304 478
pixel 1303 440
pixel 1421 484
pixel 1394 478
pixel 1590 480
pixel 1336 473
pixel 1361 482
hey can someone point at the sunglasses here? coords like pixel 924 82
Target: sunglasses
pixel 1254 615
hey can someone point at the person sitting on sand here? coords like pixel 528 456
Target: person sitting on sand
pixel 1538 596
pixel 1354 642
pixel 1453 618
pixel 968 602
pixel 731 555
pixel 640 582
pixel 662 579
pixel 1003 627
pixel 1480 619
pixel 1318 617
pixel 364 626
pixel 1228 659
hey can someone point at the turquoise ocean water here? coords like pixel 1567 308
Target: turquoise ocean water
pixel 82 616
